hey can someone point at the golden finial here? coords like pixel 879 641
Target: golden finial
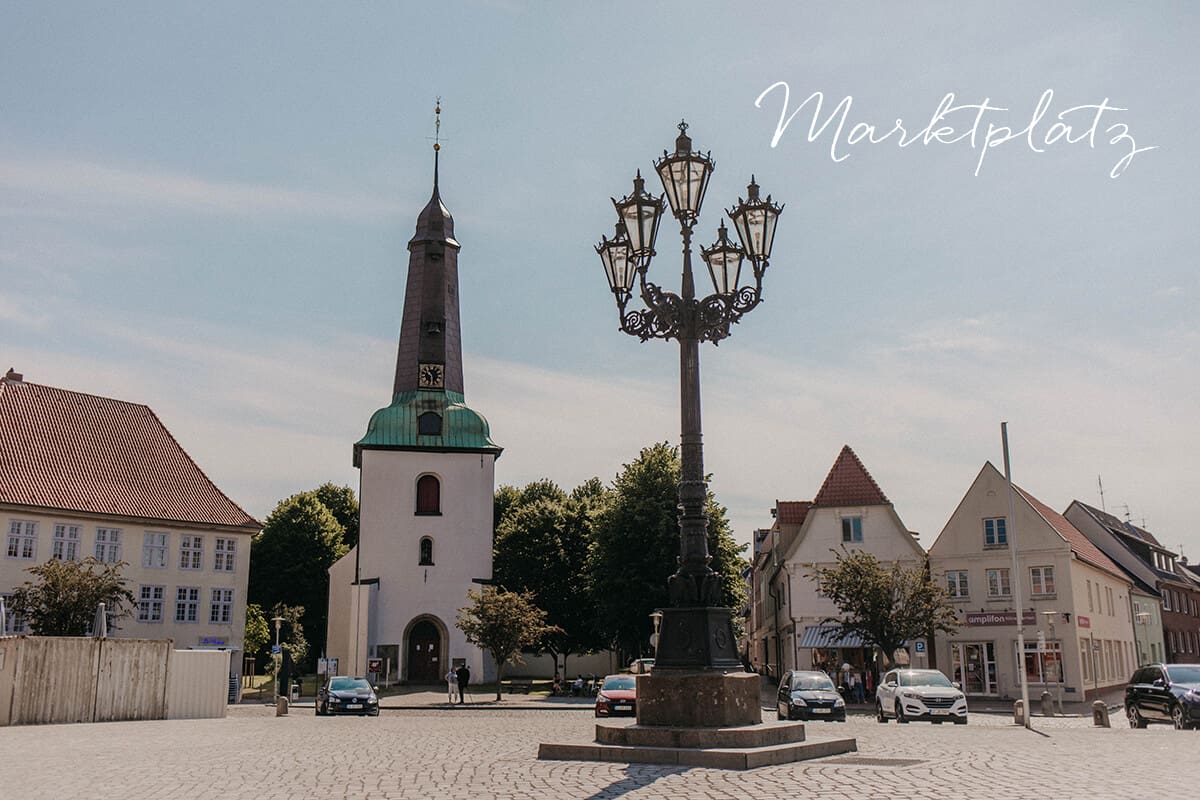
pixel 437 125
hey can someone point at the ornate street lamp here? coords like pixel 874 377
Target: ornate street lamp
pixel 696 632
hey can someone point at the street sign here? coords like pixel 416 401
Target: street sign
pixel 275 650
pixel 375 665
pixel 918 647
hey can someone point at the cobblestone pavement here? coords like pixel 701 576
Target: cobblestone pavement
pixel 485 753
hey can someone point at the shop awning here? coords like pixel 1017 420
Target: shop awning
pixel 829 636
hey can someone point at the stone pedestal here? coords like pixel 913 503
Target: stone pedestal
pixel 698 699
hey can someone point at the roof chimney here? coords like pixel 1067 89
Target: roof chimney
pixel 12 376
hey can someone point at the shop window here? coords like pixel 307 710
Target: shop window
pixel 429 495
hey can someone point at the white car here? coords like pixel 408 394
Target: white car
pixel 919 694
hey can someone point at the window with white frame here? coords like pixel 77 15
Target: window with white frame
pixel 14 624
pixel 22 539
pixel 1042 579
pixel 224 551
pixel 187 604
pixel 66 542
pixel 995 532
pixel 998 585
pixel 221 610
pixel 108 545
pixel 150 603
pixel 191 552
pixel 1108 593
pixel 852 529
pixel 154 550
pixel 1089 590
pixel 1085 659
pixel 956 584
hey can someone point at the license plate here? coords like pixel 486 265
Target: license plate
pixel 822 710
pixel 941 711
pixel 354 706
pixel 622 708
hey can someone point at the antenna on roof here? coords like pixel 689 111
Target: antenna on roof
pixel 1128 517
pixel 1100 483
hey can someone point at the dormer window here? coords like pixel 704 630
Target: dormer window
pixel 429 495
pixel 426 559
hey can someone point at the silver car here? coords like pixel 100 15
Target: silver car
pixel 919 694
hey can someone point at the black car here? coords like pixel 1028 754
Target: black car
pixel 1164 693
pixel 343 695
pixel 809 695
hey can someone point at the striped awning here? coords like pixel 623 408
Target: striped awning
pixel 829 636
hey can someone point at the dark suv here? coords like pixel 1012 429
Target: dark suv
pixel 809 695
pixel 1164 693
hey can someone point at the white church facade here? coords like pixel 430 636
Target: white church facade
pixel 427 480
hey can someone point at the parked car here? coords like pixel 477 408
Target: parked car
pixel 919 694
pixel 1164 693
pixel 341 694
pixel 617 697
pixel 809 695
pixel 641 666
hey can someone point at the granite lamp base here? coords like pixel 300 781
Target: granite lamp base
pixel 699 699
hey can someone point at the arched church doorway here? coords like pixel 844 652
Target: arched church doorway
pixel 424 653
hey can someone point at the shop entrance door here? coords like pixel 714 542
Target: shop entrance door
pixel 975 666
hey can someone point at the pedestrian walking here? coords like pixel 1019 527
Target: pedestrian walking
pixel 463 674
pixel 451 683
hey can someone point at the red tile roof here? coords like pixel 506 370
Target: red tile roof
pixel 1080 544
pixel 79 452
pixel 791 512
pixel 849 484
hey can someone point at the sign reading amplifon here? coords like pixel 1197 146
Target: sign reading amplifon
pixel 1000 618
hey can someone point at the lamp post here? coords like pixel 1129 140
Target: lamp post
pixel 696 632
pixel 276 655
pixel 1058 663
pixel 656 621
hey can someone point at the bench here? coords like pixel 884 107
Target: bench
pixel 520 685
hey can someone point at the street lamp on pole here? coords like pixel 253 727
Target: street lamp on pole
pixel 276 655
pixel 696 632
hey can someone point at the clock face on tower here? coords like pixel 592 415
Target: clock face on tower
pixel 430 376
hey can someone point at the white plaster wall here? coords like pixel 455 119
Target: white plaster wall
pixel 390 534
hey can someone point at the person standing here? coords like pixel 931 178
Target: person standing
pixel 463 674
pixel 451 682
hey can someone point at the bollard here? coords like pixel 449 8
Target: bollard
pixel 1018 713
pixel 281 706
pixel 1047 704
pixel 1100 715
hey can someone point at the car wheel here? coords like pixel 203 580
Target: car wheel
pixel 879 717
pixel 900 714
pixel 962 721
pixel 1179 718
pixel 1135 719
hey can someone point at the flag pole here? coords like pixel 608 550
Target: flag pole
pixel 1011 533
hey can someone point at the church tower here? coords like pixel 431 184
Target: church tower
pixel 427 479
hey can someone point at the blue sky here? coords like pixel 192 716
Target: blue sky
pixel 205 208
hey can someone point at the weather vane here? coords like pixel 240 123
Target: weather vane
pixel 437 125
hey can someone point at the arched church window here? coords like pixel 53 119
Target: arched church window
pixel 429 424
pixel 426 552
pixel 429 495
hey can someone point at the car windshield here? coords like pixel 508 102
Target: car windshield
pixel 812 683
pixel 1184 673
pixel 921 677
pixel 349 685
pixel 614 682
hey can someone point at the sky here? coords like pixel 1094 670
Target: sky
pixel 205 208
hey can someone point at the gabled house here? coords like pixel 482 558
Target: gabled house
pixel 82 475
pixel 1167 611
pixel 1075 601
pixel 849 511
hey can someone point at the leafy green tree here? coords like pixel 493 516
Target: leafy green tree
pixel 258 634
pixel 502 623
pixel 541 547
pixel 885 605
pixel 636 548
pixel 342 503
pixel 64 599
pixel 291 631
pixel 290 559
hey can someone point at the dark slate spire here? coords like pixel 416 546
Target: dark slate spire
pixel 430 337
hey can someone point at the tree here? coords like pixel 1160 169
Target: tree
pixel 342 503
pixel 541 546
pixel 502 623
pixel 290 559
pixel 64 599
pixel 257 632
pixel 636 548
pixel 886 606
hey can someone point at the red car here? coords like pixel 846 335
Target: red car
pixel 617 697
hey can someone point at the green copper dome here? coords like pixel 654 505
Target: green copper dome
pixel 451 427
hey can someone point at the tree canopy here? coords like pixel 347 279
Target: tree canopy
pixel 64 598
pixel 502 623
pixel 342 503
pixel 636 548
pixel 885 605
pixel 290 559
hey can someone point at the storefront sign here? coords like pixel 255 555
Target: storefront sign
pixel 990 618
pixel 214 641
pixel 1084 622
